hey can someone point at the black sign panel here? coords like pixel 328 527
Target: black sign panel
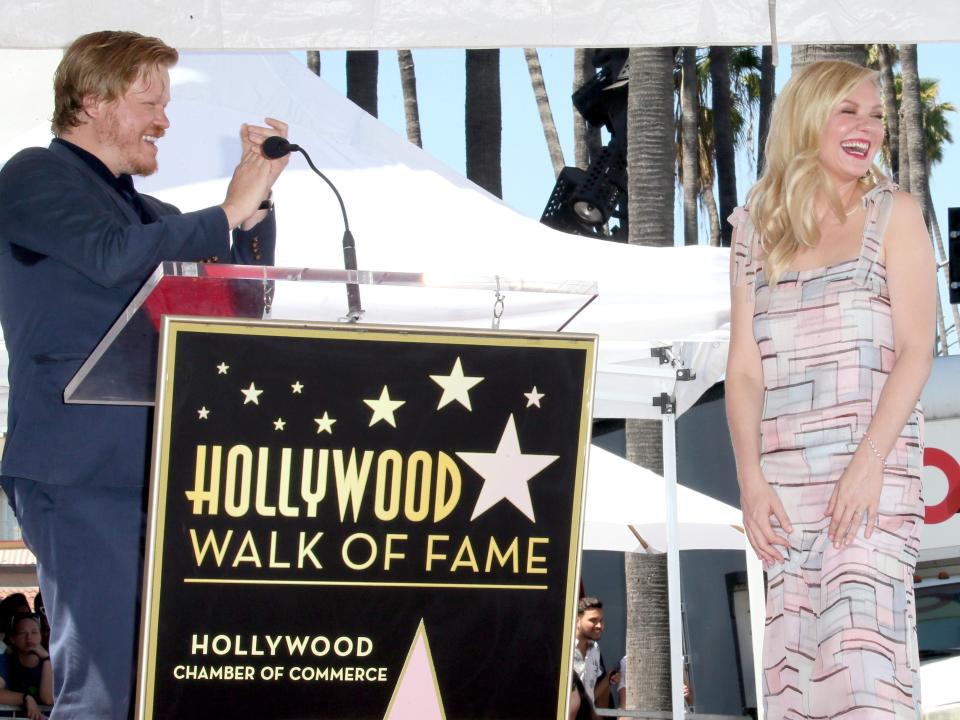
pixel 363 522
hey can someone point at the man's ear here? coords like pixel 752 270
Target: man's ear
pixel 93 106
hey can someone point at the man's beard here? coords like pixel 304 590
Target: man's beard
pixel 133 160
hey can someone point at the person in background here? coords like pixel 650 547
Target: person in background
pixel 41 612
pixel 28 681
pixel 833 306
pixel 587 660
pixel 77 241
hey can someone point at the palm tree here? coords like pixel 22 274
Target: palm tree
pixel 744 68
pixel 921 159
pixel 689 145
pixel 408 83
pixel 886 59
pixel 313 62
pixel 543 105
pixel 723 138
pixel 483 119
pixel 362 70
pixel 651 158
pixel 805 54
pixel 768 78
pixel 586 137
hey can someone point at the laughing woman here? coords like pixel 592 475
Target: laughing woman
pixel 832 329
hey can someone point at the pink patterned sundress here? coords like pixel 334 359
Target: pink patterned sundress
pixel 840 637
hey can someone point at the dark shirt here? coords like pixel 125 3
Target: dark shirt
pixel 21 678
pixel 122 184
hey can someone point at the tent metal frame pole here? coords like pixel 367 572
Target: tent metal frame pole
pixel 673 565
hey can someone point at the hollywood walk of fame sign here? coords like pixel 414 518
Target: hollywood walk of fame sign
pixel 363 522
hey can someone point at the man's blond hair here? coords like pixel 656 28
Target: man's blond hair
pixel 103 65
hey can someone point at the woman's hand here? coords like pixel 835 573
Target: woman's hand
pixel 31 708
pixel 856 493
pixel 759 503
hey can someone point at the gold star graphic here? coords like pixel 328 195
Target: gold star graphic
pixel 325 423
pixel 383 408
pixel 251 395
pixel 279 424
pixel 297 388
pixel 456 386
pixel 222 368
pixel 533 397
pixel 203 413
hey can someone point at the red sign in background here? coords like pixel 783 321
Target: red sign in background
pixel 948 465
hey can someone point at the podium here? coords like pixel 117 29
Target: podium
pixel 368 520
pixel 122 368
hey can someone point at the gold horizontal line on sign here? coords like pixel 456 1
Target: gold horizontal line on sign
pixel 337 583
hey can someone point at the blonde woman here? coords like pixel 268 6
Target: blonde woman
pixel 832 329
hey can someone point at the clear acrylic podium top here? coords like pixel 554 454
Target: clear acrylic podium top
pixel 122 369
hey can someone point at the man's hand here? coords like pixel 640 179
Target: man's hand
pixel 253 176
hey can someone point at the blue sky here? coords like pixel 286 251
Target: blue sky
pixel 527 173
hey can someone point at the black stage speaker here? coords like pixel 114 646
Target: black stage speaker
pixel 953 276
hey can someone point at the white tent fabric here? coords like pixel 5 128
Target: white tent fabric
pixel 625 501
pixel 291 24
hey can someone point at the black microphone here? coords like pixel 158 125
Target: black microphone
pixel 275 147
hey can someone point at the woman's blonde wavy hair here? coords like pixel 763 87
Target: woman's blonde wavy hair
pixel 782 202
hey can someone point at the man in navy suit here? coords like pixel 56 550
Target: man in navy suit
pixel 76 243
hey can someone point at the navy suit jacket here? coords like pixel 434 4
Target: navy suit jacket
pixel 73 253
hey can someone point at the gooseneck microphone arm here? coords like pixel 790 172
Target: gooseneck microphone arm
pixel 277 147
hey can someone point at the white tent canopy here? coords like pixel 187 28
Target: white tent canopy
pixel 304 24
pixel 626 511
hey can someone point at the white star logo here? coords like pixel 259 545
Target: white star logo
pixel 297 388
pixel 279 424
pixel 533 397
pixel 222 368
pixel 251 395
pixel 506 473
pixel 203 413
pixel 383 408
pixel 456 386
pixel 325 423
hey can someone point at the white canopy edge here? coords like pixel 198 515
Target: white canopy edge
pixel 305 24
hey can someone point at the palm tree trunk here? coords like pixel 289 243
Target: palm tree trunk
pixel 362 70
pixel 313 62
pixel 913 129
pixel 710 203
pixel 890 112
pixel 768 79
pixel 723 137
pixel 689 143
pixel 651 160
pixel 586 138
pixel 651 149
pixel 543 105
pixel 411 108
pixel 805 54
pixel 903 169
pixel 483 119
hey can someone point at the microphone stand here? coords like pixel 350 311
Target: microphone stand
pixel 354 310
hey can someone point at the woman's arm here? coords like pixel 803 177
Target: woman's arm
pixel 45 692
pixel 911 279
pixel 744 401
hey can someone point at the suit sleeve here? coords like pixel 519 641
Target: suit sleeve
pixel 257 245
pixel 53 210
